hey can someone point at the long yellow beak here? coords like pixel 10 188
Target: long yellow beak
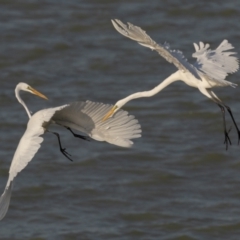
pixel 110 113
pixel 34 91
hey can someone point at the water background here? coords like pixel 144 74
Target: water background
pixel 178 182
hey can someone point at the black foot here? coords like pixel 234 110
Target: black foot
pixel 238 137
pixel 227 138
pixel 66 154
pixel 78 135
pixel 63 150
pixel 230 112
pixel 83 137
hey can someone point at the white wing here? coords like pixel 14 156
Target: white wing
pixel 175 57
pixel 27 148
pixel 5 200
pixel 87 118
pixel 218 63
pixel 212 65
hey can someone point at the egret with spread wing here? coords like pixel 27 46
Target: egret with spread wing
pixel 81 116
pixel 209 70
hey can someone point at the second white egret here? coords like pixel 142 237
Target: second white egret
pixel 209 71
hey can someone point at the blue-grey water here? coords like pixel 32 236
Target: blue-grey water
pixel 178 182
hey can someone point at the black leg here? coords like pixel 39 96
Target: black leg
pixel 227 139
pixel 78 135
pixel 63 150
pixel 230 112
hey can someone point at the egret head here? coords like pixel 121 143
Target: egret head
pixel 27 88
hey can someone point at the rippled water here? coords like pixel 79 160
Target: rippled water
pixel 178 182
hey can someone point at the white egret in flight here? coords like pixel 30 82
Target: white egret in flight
pixel 82 116
pixel 209 70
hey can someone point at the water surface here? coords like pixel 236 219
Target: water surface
pixel 178 182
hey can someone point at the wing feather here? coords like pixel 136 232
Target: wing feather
pixel 212 65
pixel 218 63
pixel 5 200
pixel 87 118
pixel 28 146
pixel 31 140
pixel 175 57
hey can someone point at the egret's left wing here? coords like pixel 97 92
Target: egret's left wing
pixel 173 56
pixel 27 148
pixel 218 63
pixel 87 118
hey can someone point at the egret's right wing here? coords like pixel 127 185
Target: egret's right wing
pixel 87 118
pixel 27 148
pixel 173 56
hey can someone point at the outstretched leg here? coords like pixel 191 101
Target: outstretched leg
pixel 62 150
pixel 230 112
pixel 78 135
pixel 227 139
pixel 212 95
